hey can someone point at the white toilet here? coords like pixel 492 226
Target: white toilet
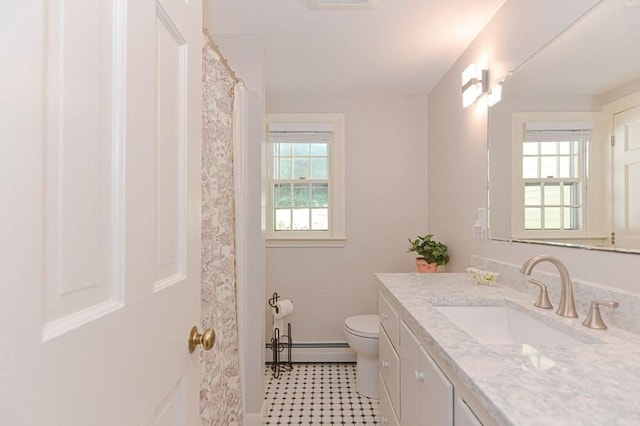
pixel 362 336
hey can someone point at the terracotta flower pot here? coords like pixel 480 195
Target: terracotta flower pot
pixel 423 266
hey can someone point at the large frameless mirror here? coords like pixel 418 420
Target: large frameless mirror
pixel 564 142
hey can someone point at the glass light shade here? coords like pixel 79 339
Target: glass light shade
pixel 472 84
pixel 471 94
pixel 495 95
pixel 469 74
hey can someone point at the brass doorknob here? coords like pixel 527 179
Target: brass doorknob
pixel 206 339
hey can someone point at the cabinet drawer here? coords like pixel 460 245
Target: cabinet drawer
pixel 389 368
pixel 387 415
pixel 389 320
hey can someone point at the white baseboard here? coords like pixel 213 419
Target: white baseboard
pixel 254 419
pixel 313 354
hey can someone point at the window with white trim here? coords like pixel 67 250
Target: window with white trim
pixel 554 177
pixel 551 188
pixel 306 180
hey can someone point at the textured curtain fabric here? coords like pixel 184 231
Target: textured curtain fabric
pixel 220 395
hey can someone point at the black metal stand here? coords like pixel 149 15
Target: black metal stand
pixel 278 346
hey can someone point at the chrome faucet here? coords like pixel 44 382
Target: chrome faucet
pixel 567 307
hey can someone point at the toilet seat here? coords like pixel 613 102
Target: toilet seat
pixel 362 326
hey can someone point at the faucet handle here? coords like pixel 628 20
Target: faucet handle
pixel 594 319
pixel 543 296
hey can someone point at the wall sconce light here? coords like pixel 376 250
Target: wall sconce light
pixel 474 83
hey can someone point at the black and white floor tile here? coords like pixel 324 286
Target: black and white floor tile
pixel 317 394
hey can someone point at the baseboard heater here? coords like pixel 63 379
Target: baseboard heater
pixel 317 352
pixel 315 345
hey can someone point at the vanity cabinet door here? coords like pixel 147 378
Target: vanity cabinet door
pixel 409 384
pixel 426 395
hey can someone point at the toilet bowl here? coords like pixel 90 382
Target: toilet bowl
pixel 362 336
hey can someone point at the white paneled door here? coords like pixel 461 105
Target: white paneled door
pixel 100 148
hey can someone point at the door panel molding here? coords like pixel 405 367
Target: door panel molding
pixel 171 145
pixel 84 160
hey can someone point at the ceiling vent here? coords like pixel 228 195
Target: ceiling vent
pixel 341 4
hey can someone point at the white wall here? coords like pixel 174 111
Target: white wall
pixel 386 203
pixel 457 166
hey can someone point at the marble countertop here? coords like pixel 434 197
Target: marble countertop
pixel 593 382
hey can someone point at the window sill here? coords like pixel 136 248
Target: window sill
pixel 315 242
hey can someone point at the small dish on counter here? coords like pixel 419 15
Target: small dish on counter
pixel 483 277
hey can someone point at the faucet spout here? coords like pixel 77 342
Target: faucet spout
pixel 567 307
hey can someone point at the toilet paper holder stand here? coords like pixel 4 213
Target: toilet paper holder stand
pixel 278 345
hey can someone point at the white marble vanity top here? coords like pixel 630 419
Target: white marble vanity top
pixel 596 382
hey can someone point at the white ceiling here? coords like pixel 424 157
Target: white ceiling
pixel 400 47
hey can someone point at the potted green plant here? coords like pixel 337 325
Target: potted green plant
pixel 431 253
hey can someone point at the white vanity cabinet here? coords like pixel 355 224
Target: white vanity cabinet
pixel 416 386
pixel 426 393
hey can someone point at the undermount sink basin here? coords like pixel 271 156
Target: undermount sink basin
pixel 504 325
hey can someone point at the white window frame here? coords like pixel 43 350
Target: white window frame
pixel 336 235
pixel 592 194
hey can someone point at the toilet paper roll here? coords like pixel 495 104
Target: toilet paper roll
pixel 282 309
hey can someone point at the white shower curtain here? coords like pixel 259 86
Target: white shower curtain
pixel 220 394
pixel 240 139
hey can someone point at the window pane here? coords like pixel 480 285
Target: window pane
pixel 532 218
pixel 283 168
pixel 530 148
pixel 548 148
pixel 532 194
pixel 320 219
pixel 320 195
pixel 548 167
pixel 282 220
pixel 530 167
pixel 552 194
pixel 300 196
pixel 566 171
pixel 282 149
pixel 319 169
pixel 571 193
pixel 571 218
pixel 565 147
pixel 300 219
pixel 300 168
pixel 282 195
pixel 319 150
pixel 301 149
pixel 552 217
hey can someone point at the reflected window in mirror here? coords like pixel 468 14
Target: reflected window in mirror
pixel 554 176
pixel 551 172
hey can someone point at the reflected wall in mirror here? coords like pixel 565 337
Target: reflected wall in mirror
pixel 564 142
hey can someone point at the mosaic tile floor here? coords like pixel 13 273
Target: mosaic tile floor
pixel 317 394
